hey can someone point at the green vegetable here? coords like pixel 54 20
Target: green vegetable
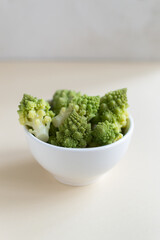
pixel 74 132
pixel 105 133
pixel 62 98
pixel 36 115
pixel 52 135
pixel 52 130
pixel 87 105
pixel 78 121
pixel 113 108
pixel 53 140
pixel 63 114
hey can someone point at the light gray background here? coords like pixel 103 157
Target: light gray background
pixel 80 29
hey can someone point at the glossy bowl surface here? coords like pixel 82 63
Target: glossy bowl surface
pixel 79 166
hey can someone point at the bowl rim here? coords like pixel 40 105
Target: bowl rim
pixel 129 132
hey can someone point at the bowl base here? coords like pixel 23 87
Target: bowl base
pixel 75 182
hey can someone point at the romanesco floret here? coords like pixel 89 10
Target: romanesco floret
pixel 52 135
pixel 74 132
pixel 62 98
pixel 53 140
pixel 113 108
pixel 63 114
pixel 80 121
pixel 87 105
pixel 36 115
pixel 105 133
pixel 52 130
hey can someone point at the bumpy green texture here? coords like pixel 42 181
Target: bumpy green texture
pixel 52 130
pixel 113 108
pixel 52 135
pixel 74 132
pixel 105 133
pixel 87 105
pixel 79 121
pixel 63 114
pixel 36 115
pixel 62 98
pixel 53 140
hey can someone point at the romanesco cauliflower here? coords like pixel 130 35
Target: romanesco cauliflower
pixel 36 115
pixel 63 114
pixel 80 121
pixel 87 105
pixel 113 108
pixel 62 98
pixel 74 132
pixel 105 133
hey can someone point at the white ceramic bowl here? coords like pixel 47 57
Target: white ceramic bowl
pixel 79 166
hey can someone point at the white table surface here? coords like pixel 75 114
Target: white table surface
pixel 125 205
